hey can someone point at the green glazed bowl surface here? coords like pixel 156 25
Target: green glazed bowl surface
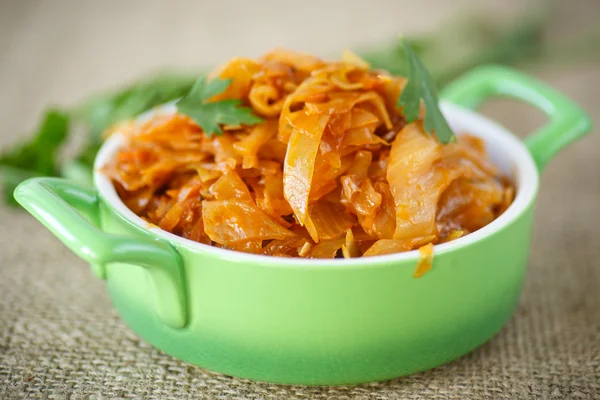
pixel 319 322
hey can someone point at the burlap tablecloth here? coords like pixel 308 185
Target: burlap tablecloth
pixel 61 339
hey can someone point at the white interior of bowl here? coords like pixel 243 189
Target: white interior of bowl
pixel 506 151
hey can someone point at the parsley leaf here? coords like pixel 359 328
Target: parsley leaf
pixel 419 87
pixel 210 115
pixel 37 157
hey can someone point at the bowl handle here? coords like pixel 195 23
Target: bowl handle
pixel 59 205
pixel 566 121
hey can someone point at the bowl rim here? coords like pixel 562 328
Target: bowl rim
pixel 526 176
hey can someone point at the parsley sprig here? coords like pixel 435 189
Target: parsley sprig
pixel 211 114
pixel 419 87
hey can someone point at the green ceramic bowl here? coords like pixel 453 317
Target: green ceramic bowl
pixel 319 322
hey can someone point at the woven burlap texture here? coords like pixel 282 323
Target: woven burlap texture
pixel 59 335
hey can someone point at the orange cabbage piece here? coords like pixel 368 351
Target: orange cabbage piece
pixel 230 221
pixel 249 145
pixel 416 182
pixel 300 162
pixel 328 220
pixel 389 246
pixel 327 248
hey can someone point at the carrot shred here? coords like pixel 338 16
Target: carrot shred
pixel 425 260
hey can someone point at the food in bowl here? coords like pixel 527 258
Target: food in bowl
pixel 292 156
